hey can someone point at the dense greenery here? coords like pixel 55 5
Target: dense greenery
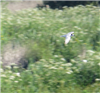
pixel 53 67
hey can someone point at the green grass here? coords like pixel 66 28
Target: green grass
pixel 53 67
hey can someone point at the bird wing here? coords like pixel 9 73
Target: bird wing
pixel 63 36
pixel 67 40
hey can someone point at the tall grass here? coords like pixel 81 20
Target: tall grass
pixel 53 67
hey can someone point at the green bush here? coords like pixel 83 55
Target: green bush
pixel 88 70
pixel 44 27
pixel 53 66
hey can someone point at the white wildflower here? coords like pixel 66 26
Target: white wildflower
pixel 85 61
pixel 18 74
pixel 63 59
pixel 72 60
pixel 3 75
pixel 98 79
pixel 69 72
pixel 46 65
pixel 16 81
pixel 91 52
pixel 67 64
pixel 15 67
pixel 55 55
pixel 99 64
pixel 53 68
pixel 13 64
pixel 1 70
pixel 9 67
pixel 12 77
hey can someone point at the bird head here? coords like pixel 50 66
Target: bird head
pixel 71 34
pixel 68 35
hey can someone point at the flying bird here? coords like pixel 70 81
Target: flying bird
pixel 68 37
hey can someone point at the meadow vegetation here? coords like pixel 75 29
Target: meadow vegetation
pixel 52 66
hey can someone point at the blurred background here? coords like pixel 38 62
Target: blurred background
pixel 34 58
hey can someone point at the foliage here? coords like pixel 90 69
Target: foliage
pixel 41 30
pixel 55 75
pixel 72 68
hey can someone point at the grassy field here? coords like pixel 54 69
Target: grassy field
pixel 52 66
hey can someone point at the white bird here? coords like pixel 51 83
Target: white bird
pixel 68 37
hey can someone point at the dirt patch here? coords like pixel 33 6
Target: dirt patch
pixel 18 5
pixel 14 56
